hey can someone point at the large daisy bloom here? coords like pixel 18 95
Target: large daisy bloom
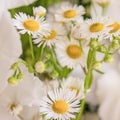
pixel 32 25
pixel 57 32
pixel 60 104
pixel 68 13
pixel 70 53
pixel 96 27
pixel 74 84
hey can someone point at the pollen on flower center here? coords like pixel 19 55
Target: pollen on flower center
pixel 31 25
pixel 60 106
pixel 115 27
pixel 74 51
pixel 70 13
pixel 52 35
pixel 96 27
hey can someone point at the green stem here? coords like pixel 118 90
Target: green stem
pixel 88 80
pixel 79 116
pixel 31 48
pixel 104 9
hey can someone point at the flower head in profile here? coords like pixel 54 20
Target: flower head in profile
pixel 114 29
pixel 74 84
pixel 68 13
pixel 60 104
pixel 57 32
pixel 70 53
pixel 103 3
pixel 96 27
pixel 32 25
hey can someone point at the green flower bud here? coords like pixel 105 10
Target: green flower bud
pixel 14 66
pixel 20 76
pixel 108 58
pixel 102 49
pixel 48 56
pixel 54 74
pixel 93 43
pixel 115 44
pixel 12 81
pixel 97 65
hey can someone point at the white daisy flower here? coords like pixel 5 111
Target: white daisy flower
pixel 31 113
pixel 39 11
pixel 70 53
pixel 60 104
pixel 57 32
pixel 32 25
pixel 96 27
pixel 68 13
pixel 74 84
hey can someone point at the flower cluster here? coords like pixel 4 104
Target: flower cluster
pixel 56 41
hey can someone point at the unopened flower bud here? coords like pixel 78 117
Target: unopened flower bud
pixel 93 43
pixel 48 56
pixel 40 67
pixel 102 49
pixel 115 44
pixel 12 81
pixel 39 11
pixel 108 58
pixel 97 65
pixel 54 74
pixel 14 66
pixel 20 76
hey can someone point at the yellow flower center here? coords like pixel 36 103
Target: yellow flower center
pixel 96 27
pixel 52 35
pixel 73 88
pixel 115 27
pixel 74 51
pixel 60 106
pixel 70 13
pixel 31 25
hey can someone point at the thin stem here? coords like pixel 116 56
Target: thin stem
pixel 79 116
pixel 31 48
pixel 104 9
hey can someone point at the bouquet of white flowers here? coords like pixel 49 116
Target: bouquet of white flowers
pixel 45 44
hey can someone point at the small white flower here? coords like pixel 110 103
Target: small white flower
pixel 114 29
pixel 74 84
pixel 70 53
pixel 96 27
pixel 57 33
pixel 60 104
pixel 68 13
pixel 39 11
pixel 32 25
